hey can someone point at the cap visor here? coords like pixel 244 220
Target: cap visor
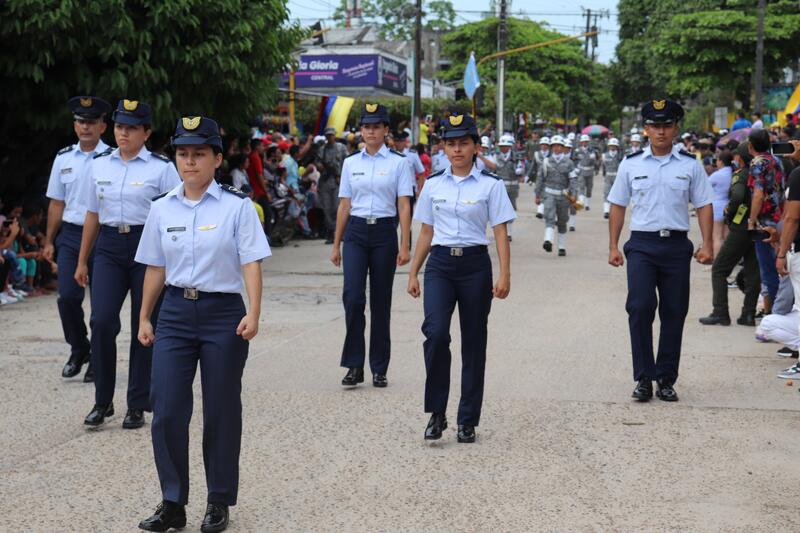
pixel 130 120
pixel 372 120
pixel 452 134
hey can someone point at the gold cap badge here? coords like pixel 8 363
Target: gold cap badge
pixel 86 102
pixel 190 123
pixel 130 105
pixel 371 108
pixel 456 120
pixel 658 105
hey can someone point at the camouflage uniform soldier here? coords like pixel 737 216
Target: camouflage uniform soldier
pixel 556 184
pixel 510 169
pixel 610 164
pixel 587 162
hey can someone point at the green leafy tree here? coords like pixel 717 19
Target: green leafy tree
pixel 524 95
pixel 182 56
pixel 395 18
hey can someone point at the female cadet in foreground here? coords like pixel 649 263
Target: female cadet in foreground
pixel 199 239
pixel 454 208
pixel 376 187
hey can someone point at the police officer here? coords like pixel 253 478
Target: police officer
pixel 455 206
pixel 332 156
pixel 510 171
pixel 659 181
pixel 376 188
pixel 610 164
pixel 120 184
pixel 586 159
pixel 201 238
pixel 556 185
pixel 65 223
pixel 537 161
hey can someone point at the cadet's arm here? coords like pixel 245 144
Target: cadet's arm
pixel 55 213
pixel 154 278
pixel 420 254
pixel 404 212
pixel 503 285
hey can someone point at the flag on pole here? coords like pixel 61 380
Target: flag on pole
pixel 471 79
pixel 338 113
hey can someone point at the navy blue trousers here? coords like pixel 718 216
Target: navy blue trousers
pixel 657 264
pixel 191 332
pixel 115 274
pixel 466 281
pixel 70 294
pixel 369 249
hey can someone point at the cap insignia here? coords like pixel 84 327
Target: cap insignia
pixel 191 123
pixel 658 105
pixel 456 120
pixel 130 105
pixel 371 108
pixel 86 102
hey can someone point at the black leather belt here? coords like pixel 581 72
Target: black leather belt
pixel 459 251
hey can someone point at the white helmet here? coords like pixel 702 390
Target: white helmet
pixel 485 142
pixel 634 131
pixel 571 135
pixel 545 140
pixel 636 138
pixel 557 139
pixel 568 144
pixel 585 138
pixel 723 131
pixel 506 140
pixel 613 141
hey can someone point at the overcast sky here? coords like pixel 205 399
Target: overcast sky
pixel 562 15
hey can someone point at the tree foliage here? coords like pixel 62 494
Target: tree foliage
pixel 183 56
pixel 395 18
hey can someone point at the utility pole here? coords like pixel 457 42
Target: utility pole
pixel 415 108
pixel 588 29
pixel 502 33
pixel 760 54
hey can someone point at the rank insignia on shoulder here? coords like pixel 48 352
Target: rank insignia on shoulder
pixel 435 174
pixel 233 190
pixel 688 154
pixel 634 154
pixel 101 154
pixel 66 149
pixel 401 154
pixel 354 153
pixel 490 174
pixel 162 157
pixel 160 196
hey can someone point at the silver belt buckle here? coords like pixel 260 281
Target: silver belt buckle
pixel 124 228
pixel 372 221
pixel 456 252
pixel 664 233
pixel 190 294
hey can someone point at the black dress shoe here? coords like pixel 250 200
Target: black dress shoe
pixel 548 246
pixel 436 425
pixel 586 208
pixel 562 252
pixel 466 433
pixel 644 390
pixel 379 380
pixel 134 419
pixel 605 215
pixel 88 377
pixel 715 320
pixel 539 215
pixel 98 415
pixel 168 515
pixel 747 319
pixel 73 366
pixel 666 393
pixel 216 519
pixel 353 377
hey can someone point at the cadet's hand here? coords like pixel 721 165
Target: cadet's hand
pixel 413 286
pixel 248 327
pixel 705 256
pixel 336 256
pixel 48 251
pixel 146 335
pixel 781 266
pixel 502 287
pixel 538 200
pixel 403 256
pixel 82 275
pixel 615 258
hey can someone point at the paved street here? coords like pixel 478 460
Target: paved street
pixel 561 446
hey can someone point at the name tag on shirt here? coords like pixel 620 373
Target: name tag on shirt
pixel 438 200
pixel 206 228
pixel 181 228
pixel 65 171
pixel 682 177
pixel 358 173
pixel 640 178
pixel 104 182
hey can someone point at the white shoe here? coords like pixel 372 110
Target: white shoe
pixel 16 294
pixel 791 373
pixel 6 299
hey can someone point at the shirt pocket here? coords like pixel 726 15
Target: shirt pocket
pixel 641 190
pixel 442 208
pixel 679 189
pixel 69 176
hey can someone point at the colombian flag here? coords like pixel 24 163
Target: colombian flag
pixel 333 113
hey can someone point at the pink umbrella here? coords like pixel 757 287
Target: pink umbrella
pixel 594 130
pixel 739 136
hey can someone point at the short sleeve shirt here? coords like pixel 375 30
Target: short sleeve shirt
pixel 766 174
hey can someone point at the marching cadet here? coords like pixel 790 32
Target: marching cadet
pixel 659 181
pixel 332 157
pixel 636 144
pixel 556 185
pixel 586 160
pixel 610 164
pixel 65 217
pixel 120 185
pixel 509 170
pixel 538 159
pixel 200 239
pixel 455 206
pixel 376 189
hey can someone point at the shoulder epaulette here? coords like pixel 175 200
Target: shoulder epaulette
pixel 354 153
pixel 401 154
pixel 101 154
pixel 634 154
pixel 66 149
pixel 233 190
pixel 162 157
pixel 490 174
pixel 688 154
pixel 160 196
pixel 437 173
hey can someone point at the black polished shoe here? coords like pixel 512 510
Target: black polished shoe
pixel 216 519
pixel 98 415
pixel 605 215
pixel 466 433
pixel 666 393
pixel 586 208
pixel 379 380
pixel 436 425
pixel 747 319
pixel 88 377
pixel 548 246
pixel 539 215
pixel 134 419
pixel 716 320
pixel 562 252
pixel 168 515
pixel 644 390
pixel 353 377
pixel 73 366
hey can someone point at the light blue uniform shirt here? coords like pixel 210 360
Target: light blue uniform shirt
pixel 459 211
pixel 660 189
pixel 374 182
pixel 203 246
pixel 67 180
pixel 439 161
pixel 120 192
pixel 415 162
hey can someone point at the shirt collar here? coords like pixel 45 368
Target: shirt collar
pixel 474 173
pixel 214 189
pixel 383 151
pixel 648 152
pixel 99 149
pixel 144 154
